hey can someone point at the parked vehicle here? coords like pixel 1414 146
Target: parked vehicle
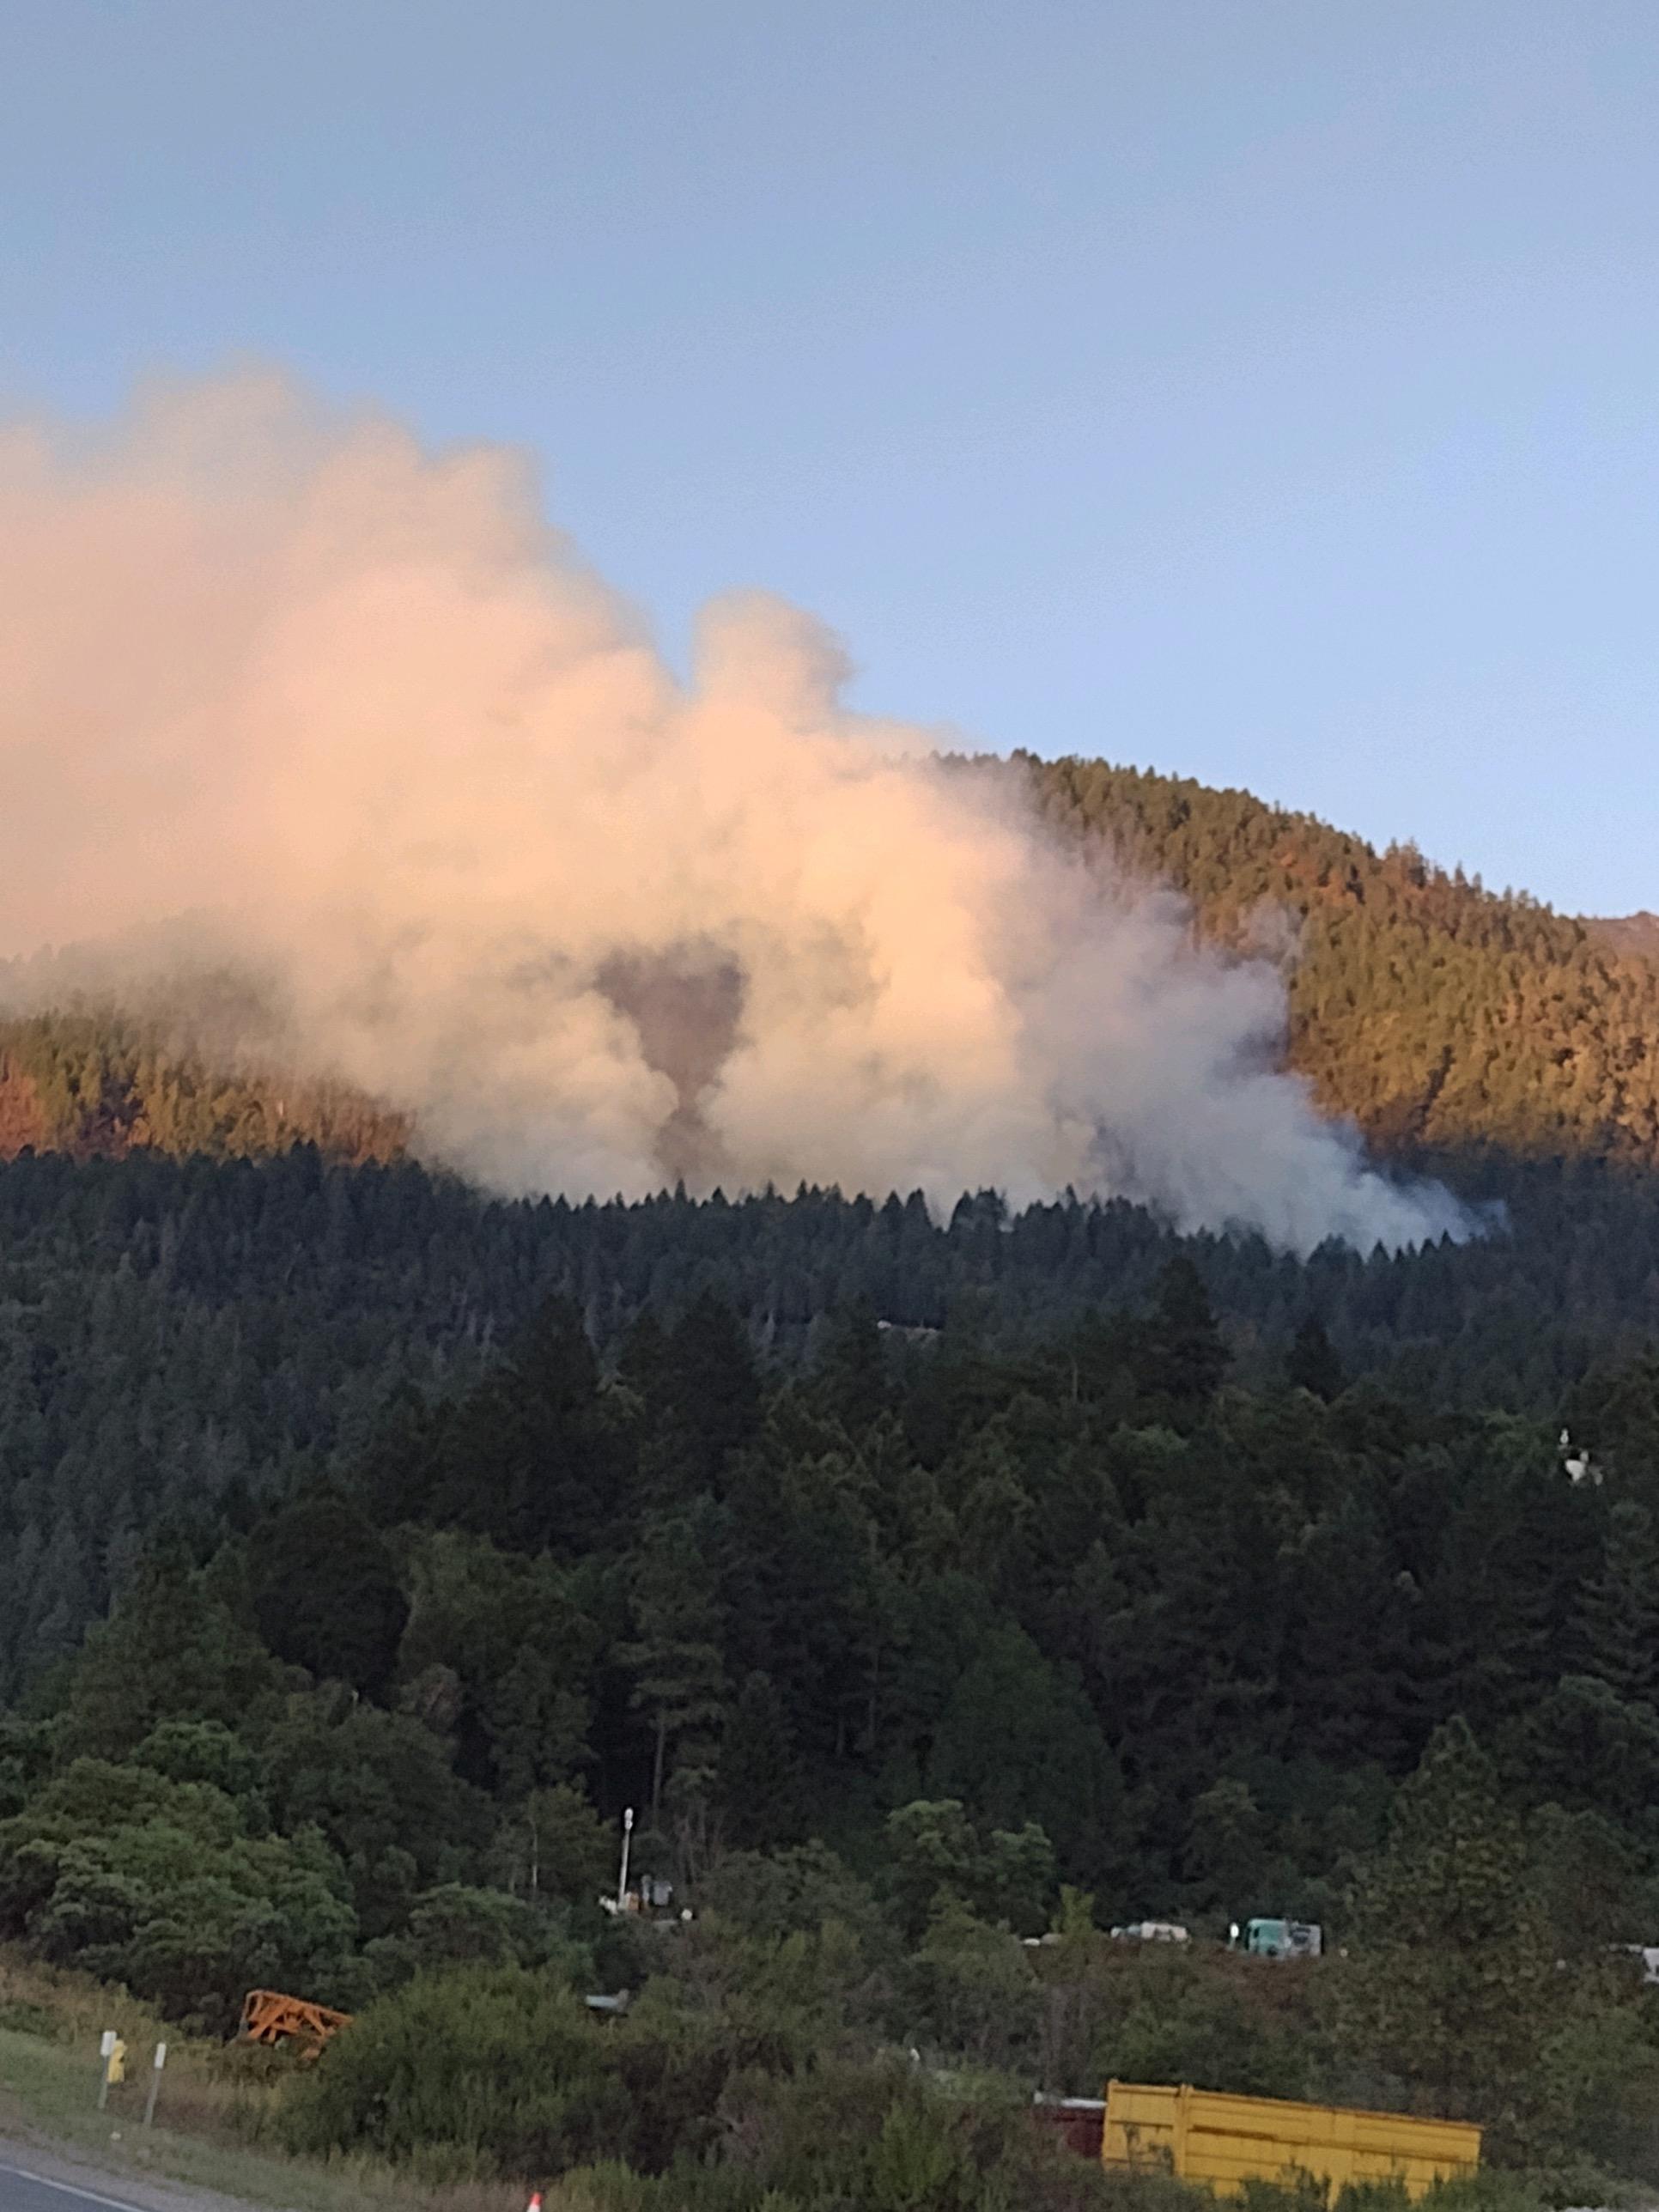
pixel 1152 1932
pixel 1279 1939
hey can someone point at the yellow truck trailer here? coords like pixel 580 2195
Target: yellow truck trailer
pixel 1203 2136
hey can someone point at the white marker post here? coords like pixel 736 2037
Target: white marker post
pixel 154 2084
pixel 106 2052
pixel 622 1878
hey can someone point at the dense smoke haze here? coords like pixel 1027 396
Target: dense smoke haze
pixel 357 716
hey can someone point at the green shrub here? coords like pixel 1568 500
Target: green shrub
pixel 157 1883
pixel 1491 2190
pixel 456 1925
pixel 883 2137
pixel 1184 2025
pixel 973 1990
pixel 688 2188
pixel 491 2070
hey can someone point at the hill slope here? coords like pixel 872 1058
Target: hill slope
pixel 1438 1015
pixel 1433 1012
pixel 100 1087
pixel 1636 934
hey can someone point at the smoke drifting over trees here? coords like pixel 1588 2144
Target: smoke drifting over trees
pixel 353 712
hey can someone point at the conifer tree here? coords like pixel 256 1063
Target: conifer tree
pixel 1452 1963
pixel 760 1770
pixel 325 1593
pixel 710 1385
pixel 1619 1612
pixel 851 1379
pixel 1183 1355
pixel 676 1653
pixel 1312 1364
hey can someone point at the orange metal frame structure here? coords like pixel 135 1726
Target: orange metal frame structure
pixel 270 2018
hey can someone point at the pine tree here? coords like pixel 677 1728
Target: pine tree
pixel 851 1379
pixel 1352 1664
pixel 1227 1847
pixel 711 1388
pixel 529 1459
pixel 1312 1364
pixel 1619 1611
pixel 173 1648
pixel 1182 1356
pixel 325 1592
pixel 761 1779
pixel 675 1654
pixel 1452 1963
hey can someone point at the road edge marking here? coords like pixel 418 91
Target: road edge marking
pixel 69 2189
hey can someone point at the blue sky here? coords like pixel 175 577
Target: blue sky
pixel 1260 389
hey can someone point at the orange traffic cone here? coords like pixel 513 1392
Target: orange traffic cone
pixel 535 2204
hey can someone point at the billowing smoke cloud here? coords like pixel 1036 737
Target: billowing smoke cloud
pixel 353 710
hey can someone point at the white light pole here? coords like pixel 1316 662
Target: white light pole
pixel 622 1878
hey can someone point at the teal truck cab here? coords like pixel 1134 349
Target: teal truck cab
pixel 1279 1939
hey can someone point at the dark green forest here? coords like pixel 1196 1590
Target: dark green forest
pixel 940 1593
pixel 176 1333
pixel 905 1652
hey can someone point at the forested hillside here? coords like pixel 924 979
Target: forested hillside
pixel 1630 933
pixel 100 1086
pixel 1431 1010
pixel 208 1281
pixel 367 1545
pixel 1437 1014
pixel 175 1332
pixel 902 1658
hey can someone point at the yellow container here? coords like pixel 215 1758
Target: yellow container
pixel 1204 2136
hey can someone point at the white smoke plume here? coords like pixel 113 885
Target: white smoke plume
pixel 353 709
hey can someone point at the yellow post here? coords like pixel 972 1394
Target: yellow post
pixel 113 2053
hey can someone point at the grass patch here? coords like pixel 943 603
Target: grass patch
pixel 214 2119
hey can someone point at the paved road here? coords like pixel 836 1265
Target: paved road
pixel 21 2190
pixel 35 2178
